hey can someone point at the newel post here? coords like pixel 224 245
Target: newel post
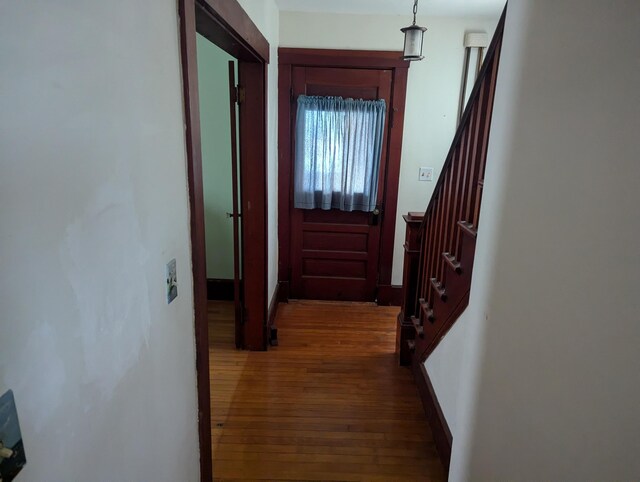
pixel 405 330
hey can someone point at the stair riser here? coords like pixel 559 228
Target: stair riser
pixel 425 314
pixel 467 252
pixel 457 286
pixel 425 346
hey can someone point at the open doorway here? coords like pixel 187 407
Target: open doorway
pixel 217 71
pixel 225 24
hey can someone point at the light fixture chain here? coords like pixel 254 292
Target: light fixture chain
pixel 415 10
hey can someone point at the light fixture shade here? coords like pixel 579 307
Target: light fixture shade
pixel 413 37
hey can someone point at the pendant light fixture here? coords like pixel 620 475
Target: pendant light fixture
pixel 413 37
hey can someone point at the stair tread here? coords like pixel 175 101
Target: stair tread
pixel 452 262
pixel 426 309
pixel 440 289
pixel 468 228
pixel 418 327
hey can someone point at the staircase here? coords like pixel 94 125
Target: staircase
pixel 440 244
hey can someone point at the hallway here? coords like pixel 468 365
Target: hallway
pixel 329 403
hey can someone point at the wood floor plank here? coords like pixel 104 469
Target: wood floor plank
pixel 329 403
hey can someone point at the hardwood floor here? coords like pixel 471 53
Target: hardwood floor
pixel 329 403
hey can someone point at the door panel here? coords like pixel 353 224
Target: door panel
pixel 334 254
pixel 253 206
pixel 327 267
pixel 335 241
pixel 235 214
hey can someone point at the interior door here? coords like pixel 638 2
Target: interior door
pixel 235 214
pixel 334 254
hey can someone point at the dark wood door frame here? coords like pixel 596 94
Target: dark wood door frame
pixel 226 24
pixel 365 59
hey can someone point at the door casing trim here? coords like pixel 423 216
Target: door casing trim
pixel 364 59
pixel 227 25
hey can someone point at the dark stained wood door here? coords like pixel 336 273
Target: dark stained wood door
pixel 235 214
pixel 334 254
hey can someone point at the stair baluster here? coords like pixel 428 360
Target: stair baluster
pixel 440 249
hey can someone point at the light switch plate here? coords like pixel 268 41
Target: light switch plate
pixel 426 174
pixel 10 439
pixel 172 281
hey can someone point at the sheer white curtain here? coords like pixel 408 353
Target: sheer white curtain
pixel 337 155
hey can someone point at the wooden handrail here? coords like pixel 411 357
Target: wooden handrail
pixel 449 226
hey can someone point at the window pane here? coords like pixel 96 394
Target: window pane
pixel 338 148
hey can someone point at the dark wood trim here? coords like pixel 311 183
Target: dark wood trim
pixel 217 19
pixel 220 289
pixel 284 174
pixel 272 329
pixel 431 346
pixel 366 59
pixel 225 23
pixel 392 181
pixel 196 205
pixel 253 169
pixel 235 32
pixel 283 291
pixel 439 427
pixel 405 331
pixel 389 295
pixel 234 98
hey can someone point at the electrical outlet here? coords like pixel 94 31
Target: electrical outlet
pixel 172 281
pixel 426 174
pixel 12 457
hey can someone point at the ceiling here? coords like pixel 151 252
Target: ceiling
pixel 454 8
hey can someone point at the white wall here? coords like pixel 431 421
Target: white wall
pixel 432 92
pixel 552 385
pixel 94 203
pixel 444 367
pixel 265 15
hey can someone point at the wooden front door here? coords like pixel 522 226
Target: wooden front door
pixel 334 254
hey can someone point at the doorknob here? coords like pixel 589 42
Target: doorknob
pixel 375 216
pixel 231 215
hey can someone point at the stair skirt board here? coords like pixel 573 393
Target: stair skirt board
pixel 438 424
pixel 219 289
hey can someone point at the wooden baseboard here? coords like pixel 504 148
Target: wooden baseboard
pixel 272 330
pixel 283 291
pixel 220 289
pixel 439 427
pixel 389 295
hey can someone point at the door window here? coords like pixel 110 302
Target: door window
pixel 337 154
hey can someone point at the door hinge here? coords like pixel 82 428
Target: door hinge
pixel 240 94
